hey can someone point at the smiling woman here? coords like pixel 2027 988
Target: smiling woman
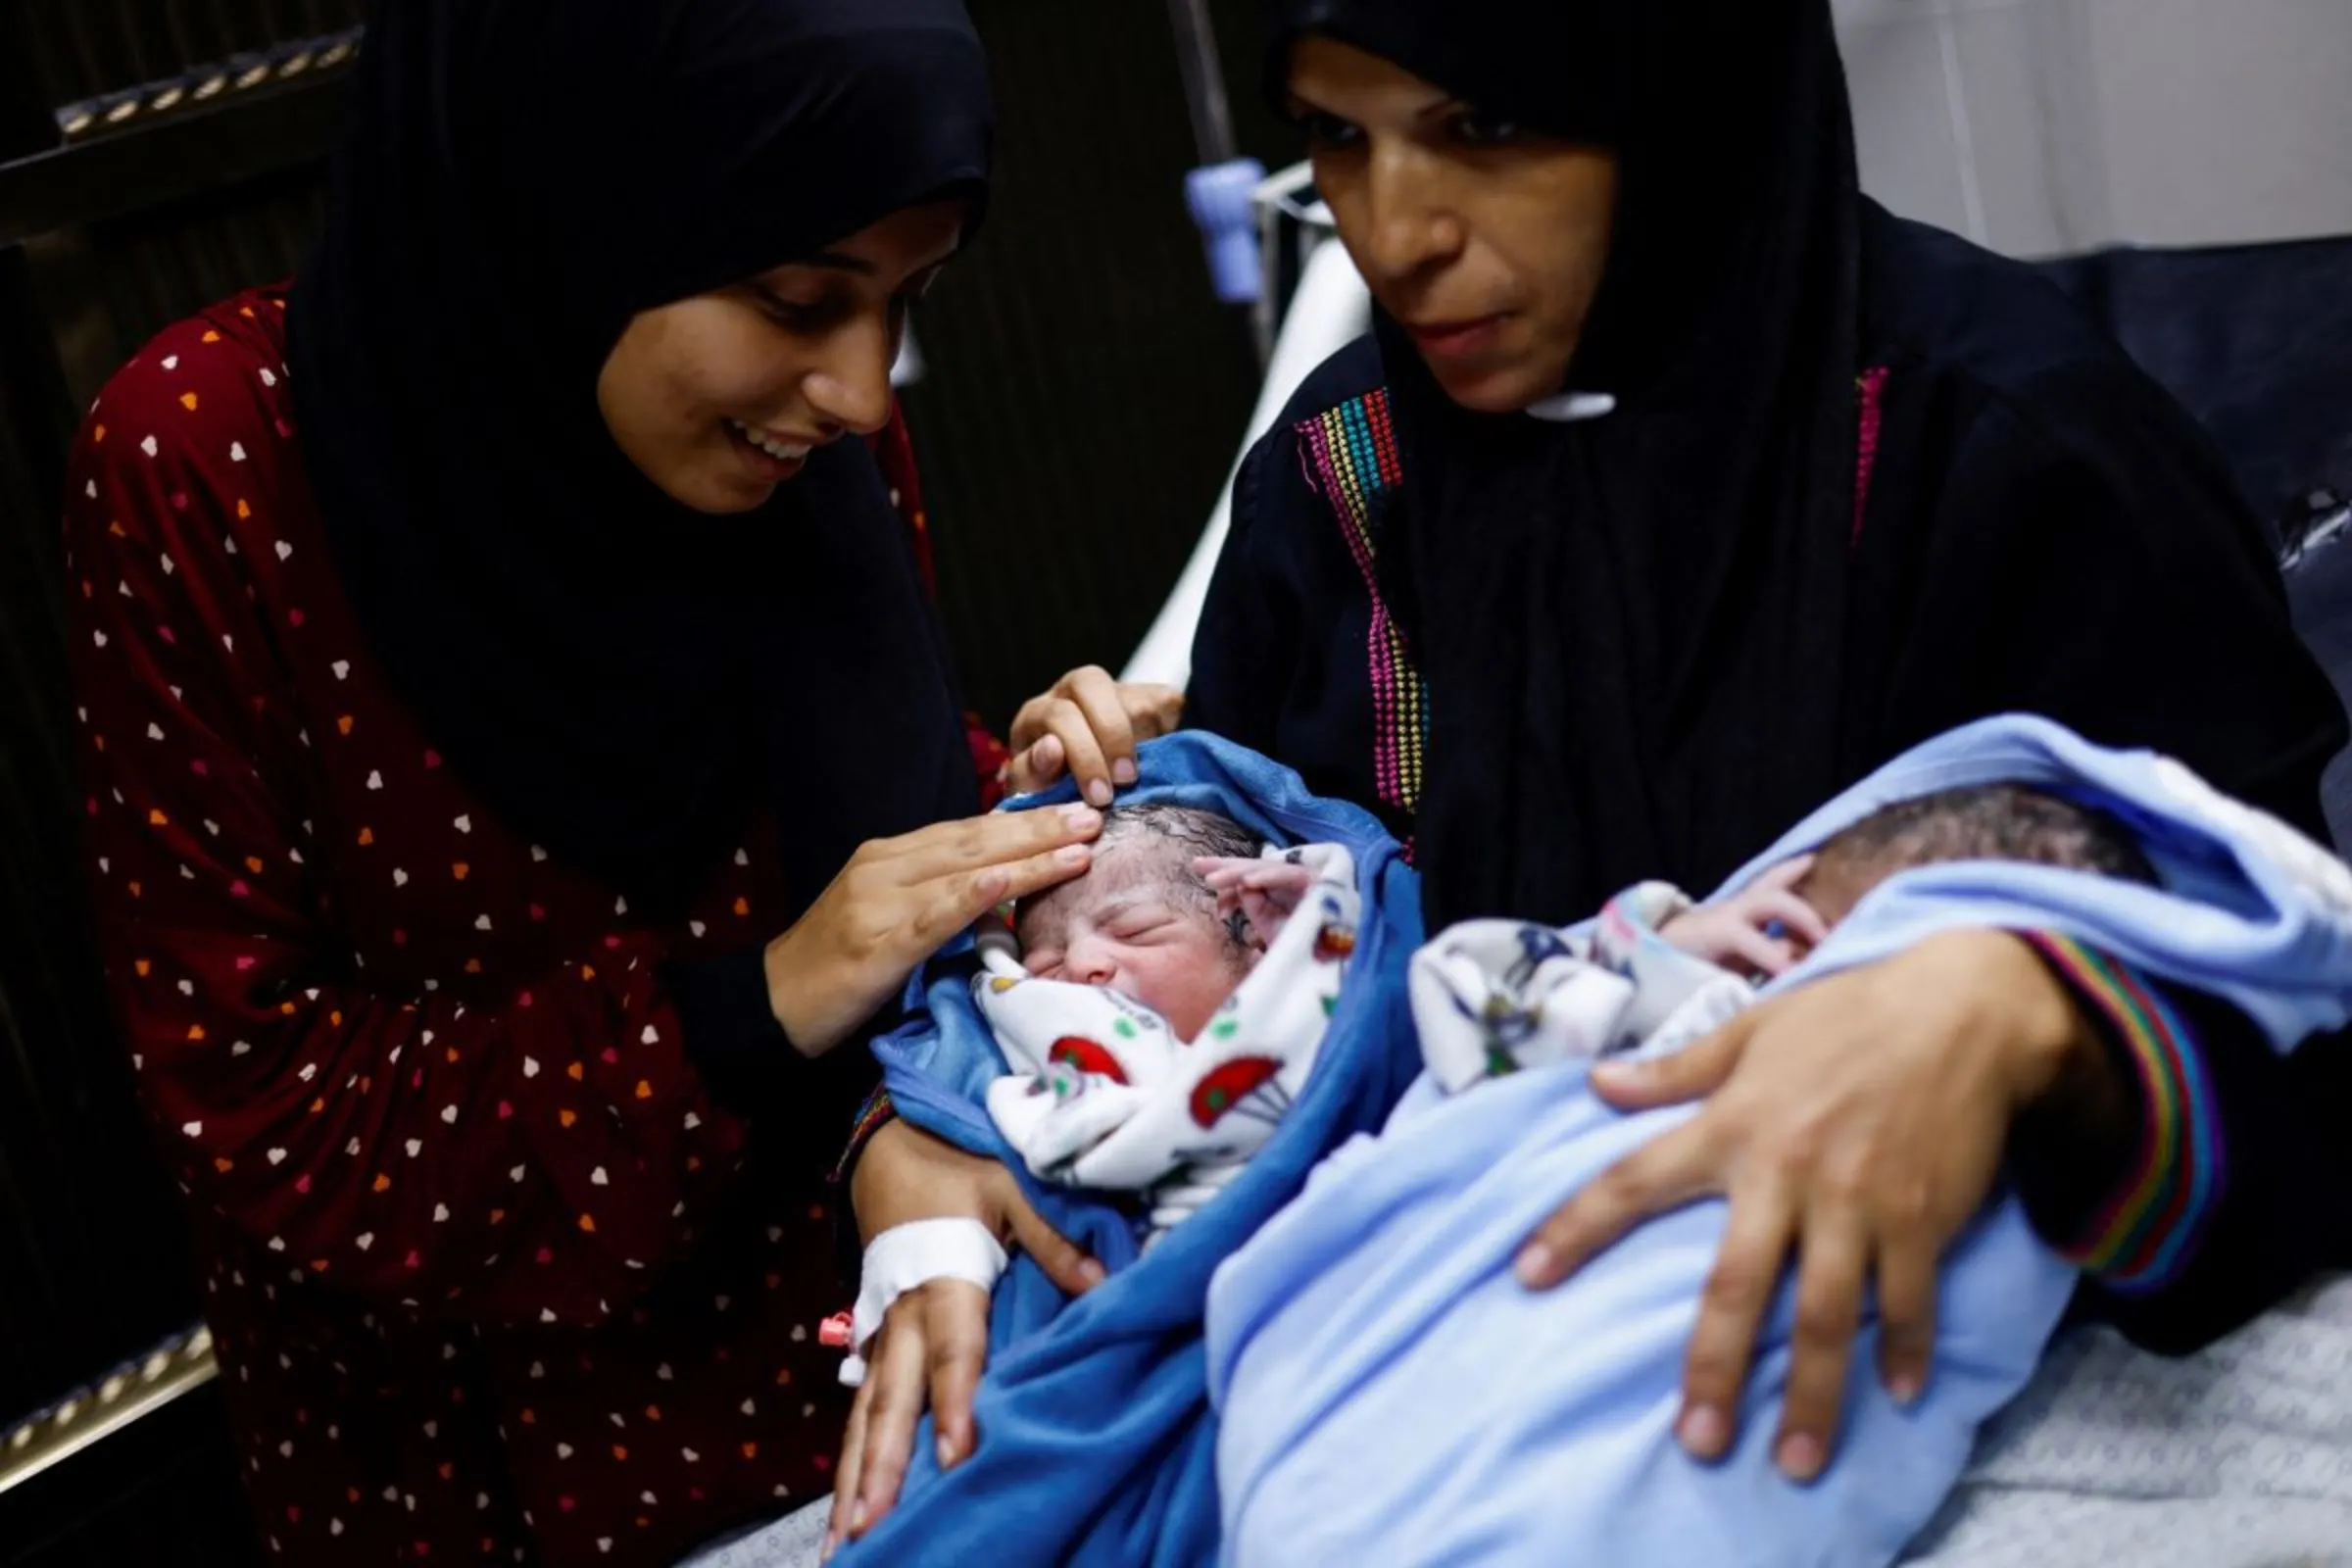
pixel 721 398
pixel 519 741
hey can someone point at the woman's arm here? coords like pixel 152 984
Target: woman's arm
pixel 530 1155
pixel 2127 592
pixel 2198 1178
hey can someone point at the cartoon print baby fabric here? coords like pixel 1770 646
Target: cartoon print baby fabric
pixel 1494 996
pixel 1103 1095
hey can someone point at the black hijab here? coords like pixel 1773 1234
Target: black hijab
pixel 621 679
pixel 1631 627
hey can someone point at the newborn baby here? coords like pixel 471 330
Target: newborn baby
pixel 1764 930
pixel 1145 920
pixel 1655 971
pixel 1166 1006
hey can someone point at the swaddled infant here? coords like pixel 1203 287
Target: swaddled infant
pixel 1155 1015
pixel 1166 1006
pixel 1159 917
pixel 1765 929
pixel 1387 1390
pixel 1656 972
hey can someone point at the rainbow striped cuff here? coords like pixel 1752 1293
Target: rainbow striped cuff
pixel 871 1116
pixel 2142 1235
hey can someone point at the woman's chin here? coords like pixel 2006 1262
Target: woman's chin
pixel 718 493
pixel 1504 388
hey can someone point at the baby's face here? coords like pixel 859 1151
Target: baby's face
pixel 1139 923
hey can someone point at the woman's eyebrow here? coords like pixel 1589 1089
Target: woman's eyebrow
pixel 839 261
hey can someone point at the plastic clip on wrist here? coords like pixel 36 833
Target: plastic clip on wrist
pixel 908 1257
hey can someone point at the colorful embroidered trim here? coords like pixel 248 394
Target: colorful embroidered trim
pixel 871 1117
pixel 2142 1235
pixel 1353 451
pixel 1870 387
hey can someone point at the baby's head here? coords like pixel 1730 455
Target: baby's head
pixel 1984 822
pixel 1142 921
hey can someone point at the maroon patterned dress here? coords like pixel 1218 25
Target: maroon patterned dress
pixel 492 1277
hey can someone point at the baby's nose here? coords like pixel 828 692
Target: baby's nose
pixel 1091 963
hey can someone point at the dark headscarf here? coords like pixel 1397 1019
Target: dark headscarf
pixel 619 677
pixel 1631 627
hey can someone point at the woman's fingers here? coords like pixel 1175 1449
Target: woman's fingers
pixel 1833 1257
pixel 1036 767
pixel 1662 1175
pixel 897 1382
pixel 958 900
pixel 1730 1310
pixel 1102 706
pixel 1066 1264
pixel 979 842
pixel 1082 753
pixel 1906 1312
pixel 852 1469
pixel 1084 715
pixel 1093 724
pixel 1691 1073
pixel 1153 709
pixel 956 1342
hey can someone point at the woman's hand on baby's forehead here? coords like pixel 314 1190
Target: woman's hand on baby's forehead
pixel 900 900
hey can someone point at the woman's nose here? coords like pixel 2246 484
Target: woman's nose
pixel 851 390
pixel 1408 229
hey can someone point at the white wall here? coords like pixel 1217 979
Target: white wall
pixel 2042 127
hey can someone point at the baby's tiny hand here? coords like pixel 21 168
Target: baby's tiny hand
pixel 1736 932
pixel 1265 892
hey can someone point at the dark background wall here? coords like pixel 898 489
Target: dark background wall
pixel 1084 399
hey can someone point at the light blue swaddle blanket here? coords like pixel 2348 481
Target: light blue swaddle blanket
pixel 1389 1394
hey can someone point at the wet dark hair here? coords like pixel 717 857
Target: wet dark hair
pixel 1202 832
pixel 1983 822
pixel 1183 833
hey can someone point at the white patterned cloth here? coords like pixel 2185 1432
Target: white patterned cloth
pixel 2239 1456
pixel 1497 997
pixel 1103 1095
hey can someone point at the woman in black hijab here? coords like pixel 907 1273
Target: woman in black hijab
pixel 1678 486
pixel 1681 486
pixel 521 741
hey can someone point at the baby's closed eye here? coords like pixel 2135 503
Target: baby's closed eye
pixel 1141 927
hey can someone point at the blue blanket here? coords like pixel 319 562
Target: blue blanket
pixel 1097 1443
pixel 1389 1393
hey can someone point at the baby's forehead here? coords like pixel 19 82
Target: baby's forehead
pixel 1121 870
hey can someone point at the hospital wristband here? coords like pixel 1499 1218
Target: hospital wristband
pixel 907 1258
pixel 2140 1233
